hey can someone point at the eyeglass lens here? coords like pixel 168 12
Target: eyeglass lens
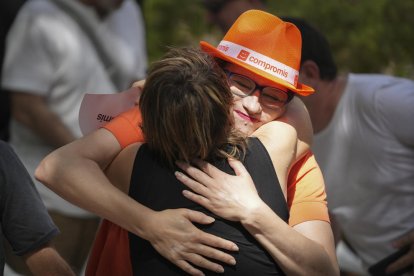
pixel 247 86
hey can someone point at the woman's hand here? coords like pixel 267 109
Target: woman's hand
pixel 232 197
pixel 174 236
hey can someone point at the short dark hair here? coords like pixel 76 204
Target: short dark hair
pixel 186 107
pixel 315 47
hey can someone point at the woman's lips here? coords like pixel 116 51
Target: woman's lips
pixel 246 117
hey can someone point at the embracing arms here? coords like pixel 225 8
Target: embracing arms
pixel 305 247
pixel 75 172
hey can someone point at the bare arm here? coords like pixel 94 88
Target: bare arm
pixel 75 172
pixel 287 139
pixel 305 249
pixel 298 250
pixel 293 125
pixel 46 261
pixel 32 111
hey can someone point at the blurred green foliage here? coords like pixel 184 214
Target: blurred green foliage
pixel 365 35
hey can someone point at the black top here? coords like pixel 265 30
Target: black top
pixel 156 187
pixel 24 221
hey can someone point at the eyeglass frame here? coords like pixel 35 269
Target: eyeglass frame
pixel 289 93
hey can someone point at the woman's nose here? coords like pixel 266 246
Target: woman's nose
pixel 252 104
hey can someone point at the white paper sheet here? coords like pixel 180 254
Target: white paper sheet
pixel 98 109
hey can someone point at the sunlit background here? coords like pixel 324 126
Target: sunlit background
pixel 372 36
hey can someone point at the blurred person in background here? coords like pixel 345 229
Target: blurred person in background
pixel 56 51
pixel 24 221
pixel 364 143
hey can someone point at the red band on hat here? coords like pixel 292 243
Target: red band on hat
pixel 259 61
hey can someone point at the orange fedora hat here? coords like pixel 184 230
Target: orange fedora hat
pixel 265 45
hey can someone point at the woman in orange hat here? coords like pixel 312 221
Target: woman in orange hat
pixel 263 74
pixel 271 78
pixel 194 119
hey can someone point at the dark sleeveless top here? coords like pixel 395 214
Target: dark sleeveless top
pixel 156 187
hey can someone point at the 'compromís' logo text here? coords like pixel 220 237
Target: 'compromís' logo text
pixel 103 117
pixel 268 67
pixel 243 55
pixel 223 48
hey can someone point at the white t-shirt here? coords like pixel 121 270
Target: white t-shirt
pixel 48 54
pixel 367 156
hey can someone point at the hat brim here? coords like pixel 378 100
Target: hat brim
pixel 301 89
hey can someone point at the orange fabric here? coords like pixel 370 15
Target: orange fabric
pixel 306 201
pixel 126 127
pixel 274 54
pixel 306 192
pixel 110 252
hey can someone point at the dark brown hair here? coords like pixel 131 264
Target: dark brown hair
pixel 186 107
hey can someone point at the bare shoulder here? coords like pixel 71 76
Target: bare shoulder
pixel 277 136
pixel 297 117
pixel 101 146
pixel 280 140
pixel 287 139
pixel 120 170
pixel 293 131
